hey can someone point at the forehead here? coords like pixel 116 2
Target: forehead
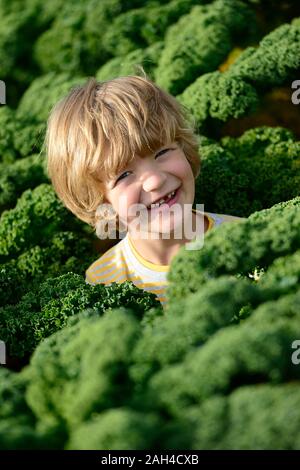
pixel 126 140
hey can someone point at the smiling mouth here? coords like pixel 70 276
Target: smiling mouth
pixel 168 200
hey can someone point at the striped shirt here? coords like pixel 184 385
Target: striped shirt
pixel 123 263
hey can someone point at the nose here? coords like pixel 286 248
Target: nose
pixel 153 179
pixel 151 175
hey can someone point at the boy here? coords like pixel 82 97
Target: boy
pixel 120 145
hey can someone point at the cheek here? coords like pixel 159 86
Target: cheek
pixel 182 169
pixel 124 200
pixel 184 172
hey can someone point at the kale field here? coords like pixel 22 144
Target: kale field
pixel 105 367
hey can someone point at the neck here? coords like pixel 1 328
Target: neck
pixel 161 251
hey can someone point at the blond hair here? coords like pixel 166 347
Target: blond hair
pixel 98 129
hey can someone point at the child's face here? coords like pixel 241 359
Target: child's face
pixel 147 180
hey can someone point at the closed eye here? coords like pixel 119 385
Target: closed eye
pixel 161 152
pixel 158 154
pixel 122 176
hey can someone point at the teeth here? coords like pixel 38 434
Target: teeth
pixel 159 203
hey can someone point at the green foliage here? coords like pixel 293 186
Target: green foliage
pixel 66 251
pixel 218 96
pixel 220 304
pixel 16 38
pixel 109 368
pixel 123 36
pixel 230 375
pixel 12 284
pixel 46 308
pixel 246 174
pixel 235 92
pixel 138 28
pixel 16 177
pixel 74 43
pixel 82 369
pixel 200 41
pixel 44 92
pixel 283 276
pixel 116 429
pixel 34 108
pixel 46 11
pixel 128 65
pixel 271 414
pixel 274 61
pixel 37 216
pixel 40 239
pixel 215 306
pixel 62 47
pixel 254 352
pixel 18 427
pixel 236 248
pixel 12 388
pixel 7 129
pixel 158 18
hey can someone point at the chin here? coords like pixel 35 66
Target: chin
pixel 168 230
